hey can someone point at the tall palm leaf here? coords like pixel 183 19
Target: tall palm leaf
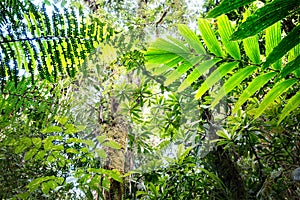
pixel 165 55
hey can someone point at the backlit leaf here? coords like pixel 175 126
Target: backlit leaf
pixel 209 37
pixel 274 93
pixel 214 77
pixel 291 105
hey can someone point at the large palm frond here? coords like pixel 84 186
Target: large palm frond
pixel 196 57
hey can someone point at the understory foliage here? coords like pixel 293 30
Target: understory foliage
pixel 87 112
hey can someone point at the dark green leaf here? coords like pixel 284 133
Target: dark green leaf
pixel 286 44
pixel 227 6
pixel 265 17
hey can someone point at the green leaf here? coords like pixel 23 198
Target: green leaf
pixel 40 155
pixel 51 159
pixel 252 49
pixel 286 44
pixel 255 85
pixel 181 69
pixel 29 154
pixel 101 153
pixel 37 142
pixel 24 143
pixel 265 17
pixel 166 66
pixel 111 144
pixel 214 77
pixel 169 46
pixel 61 120
pixel 226 6
pixel 45 188
pixel 273 37
pixel 290 67
pixel 34 184
pixel 75 140
pixel 89 143
pixel 291 105
pixel 191 38
pixel 197 72
pixel 209 37
pixel 101 138
pixel 232 82
pixel 71 150
pixel 275 92
pixel 52 129
pixel 225 31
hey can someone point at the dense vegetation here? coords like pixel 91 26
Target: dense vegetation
pixel 149 100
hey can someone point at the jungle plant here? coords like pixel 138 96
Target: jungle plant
pixel 34 39
pixel 196 58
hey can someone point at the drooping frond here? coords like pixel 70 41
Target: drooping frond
pixel 35 41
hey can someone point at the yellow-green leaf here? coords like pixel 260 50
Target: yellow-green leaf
pixel 225 31
pixel 274 93
pixel 209 37
pixel 215 77
pixel 291 105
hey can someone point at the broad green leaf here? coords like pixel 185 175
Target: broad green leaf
pixel 275 92
pixel 52 129
pixel 61 120
pixel 40 155
pixel 45 188
pixel 265 17
pixel 34 184
pixel 293 54
pixel 167 45
pixel 24 143
pixel 209 37
pixel 225 31
pixel 291 105
pixel 252 49
pixel 75 140
pixel 51 159
pixel 232 82
pixel 29 154
pixel 101 138
pixel 52 184
pixel 59 180
pixel 101 153
pixel 255 85
pixel 191 38
pixel 89 143
pixel 197 72
pixel 273 37
pixel 227 6
pixel 214 77
pixel 167 66
pixel 71 150
pixel 157 56
pixel 286 44
pixel 181 69
pixel 111 144
pixel 37 142
pixel 290 67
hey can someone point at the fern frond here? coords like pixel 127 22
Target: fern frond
pixel 51 46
